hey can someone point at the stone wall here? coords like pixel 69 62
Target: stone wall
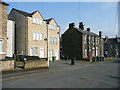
pixel 3 28
pixel 6 65
pixel 36 64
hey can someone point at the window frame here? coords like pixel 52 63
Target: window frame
pixel 1 52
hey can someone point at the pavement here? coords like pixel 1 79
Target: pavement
pixel 62 74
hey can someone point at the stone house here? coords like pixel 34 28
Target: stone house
pixel 53 39
pixel 31 33
pixel 3 29
pixel 80 43
pixel 112 46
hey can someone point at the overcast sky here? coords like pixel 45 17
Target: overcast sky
pixel 96 15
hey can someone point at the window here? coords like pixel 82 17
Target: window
pixel 33 51
pixel 37 20
pixel 93 51
pixel 37 36
pixel 34 20
pixel 89 39
pixel 106 52
pixel 93 40
pixel 96 40
pixel 53 27
pixel 34 36
pixel 40 36
pixel 85 38
pixel 85 53
pixel 53 40
pixel 1 46
pixel 96 52
pixel 40 21
pixel 50 53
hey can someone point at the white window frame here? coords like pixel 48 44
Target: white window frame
pixel 41 36
pixel 93 51
pixel 34 35
pixel 85 53
pixel 96 40
pixel 2 46
pixel 53 40
pixel 85 38
pixel 33 51
pixel 50 53
pixel 40 21
pixel 53 26
pixel 89 39
pixel 37 20
pixel 93 40
pixel 34 20
pixel 37 36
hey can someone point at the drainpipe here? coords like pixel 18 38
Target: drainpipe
pixel 47 44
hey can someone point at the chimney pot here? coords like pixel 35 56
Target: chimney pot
pixel 100 34
pixel 81 25
pixel 71 25
pixel 88 29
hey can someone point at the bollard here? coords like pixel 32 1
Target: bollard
pixel 73 61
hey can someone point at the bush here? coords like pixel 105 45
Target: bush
pixel 21 58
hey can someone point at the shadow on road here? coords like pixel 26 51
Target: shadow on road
pixel 67 63
pixel 117 61
pixel 115 77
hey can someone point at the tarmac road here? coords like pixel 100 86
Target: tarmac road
pixel 63 75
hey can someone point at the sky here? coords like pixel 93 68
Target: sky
pixel 99 16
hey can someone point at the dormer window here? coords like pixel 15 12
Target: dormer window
pixel 53 27
pixel 37 20
pixel 34 20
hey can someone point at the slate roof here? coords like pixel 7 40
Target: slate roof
pixel 111 40
pixel 48 20
pixel 85 32
pixel 1 2
pixel 24 13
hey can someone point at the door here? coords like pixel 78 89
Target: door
pixel 41 52
pixel 56 54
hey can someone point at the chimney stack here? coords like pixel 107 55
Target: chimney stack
pixel 88 29
pixel 100 34
pixel 71 25
pixel 81 25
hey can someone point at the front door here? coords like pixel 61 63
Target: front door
pixel 41 52
pixel 56 54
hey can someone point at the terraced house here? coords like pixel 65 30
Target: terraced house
pixel 3 29
pixel 112 46
pixel 80 43
pixel 31 33
pixel 53 39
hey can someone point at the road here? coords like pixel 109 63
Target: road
pixel 63 75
